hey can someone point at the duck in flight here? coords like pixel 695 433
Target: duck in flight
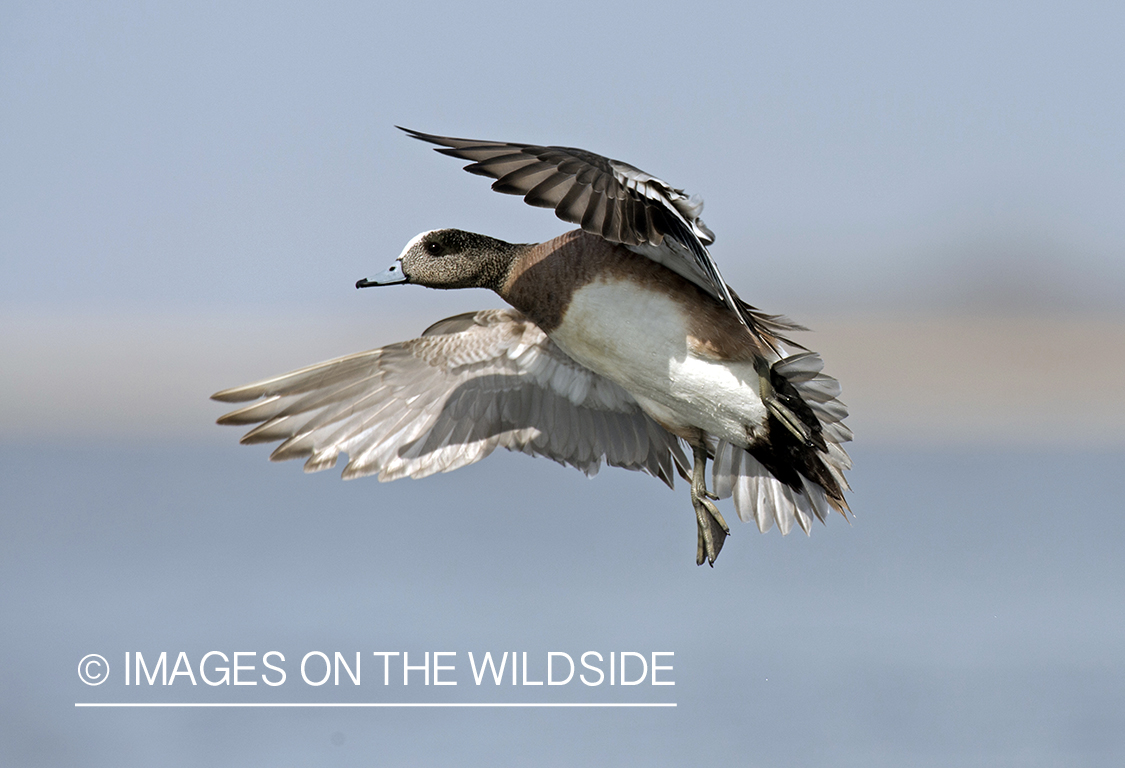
pixel 623 345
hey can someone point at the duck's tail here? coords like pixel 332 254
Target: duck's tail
pixel 796 471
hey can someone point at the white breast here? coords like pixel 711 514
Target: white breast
pixel 639 339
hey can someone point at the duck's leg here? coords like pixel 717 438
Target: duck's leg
pixel 712 529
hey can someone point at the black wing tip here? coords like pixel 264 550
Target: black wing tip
pixel 446 144
pixel 450 145
pixel 427 137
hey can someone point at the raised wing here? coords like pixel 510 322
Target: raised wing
pixel 433 404
pixel 605 197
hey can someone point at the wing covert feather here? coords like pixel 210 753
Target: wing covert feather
pixel 613 200
pixel 468 385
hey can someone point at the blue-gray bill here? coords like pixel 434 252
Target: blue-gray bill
pixel 389 276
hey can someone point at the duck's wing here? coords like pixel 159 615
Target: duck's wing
pixel 609 198
pixel 469 384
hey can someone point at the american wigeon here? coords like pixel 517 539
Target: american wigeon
pixel 624 341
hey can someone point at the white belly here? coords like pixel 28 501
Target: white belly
pixel 639 340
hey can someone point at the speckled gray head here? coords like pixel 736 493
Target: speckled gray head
pixel 449 258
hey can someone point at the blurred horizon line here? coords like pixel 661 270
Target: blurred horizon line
pixel 1002 379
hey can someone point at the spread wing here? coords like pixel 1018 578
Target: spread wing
pixel 433 404
pixel 609 198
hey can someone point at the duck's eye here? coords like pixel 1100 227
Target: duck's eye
pixel 433 248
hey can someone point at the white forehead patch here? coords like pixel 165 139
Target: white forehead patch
pixel 416 239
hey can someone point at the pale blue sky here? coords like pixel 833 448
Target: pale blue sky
pixel 243 155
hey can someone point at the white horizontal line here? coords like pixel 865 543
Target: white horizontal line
pixel 370 704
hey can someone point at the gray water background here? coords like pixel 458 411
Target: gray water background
pixel 971 615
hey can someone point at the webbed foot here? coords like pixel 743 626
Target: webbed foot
pixel 711 527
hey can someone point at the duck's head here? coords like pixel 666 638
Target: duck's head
pixel 449 258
